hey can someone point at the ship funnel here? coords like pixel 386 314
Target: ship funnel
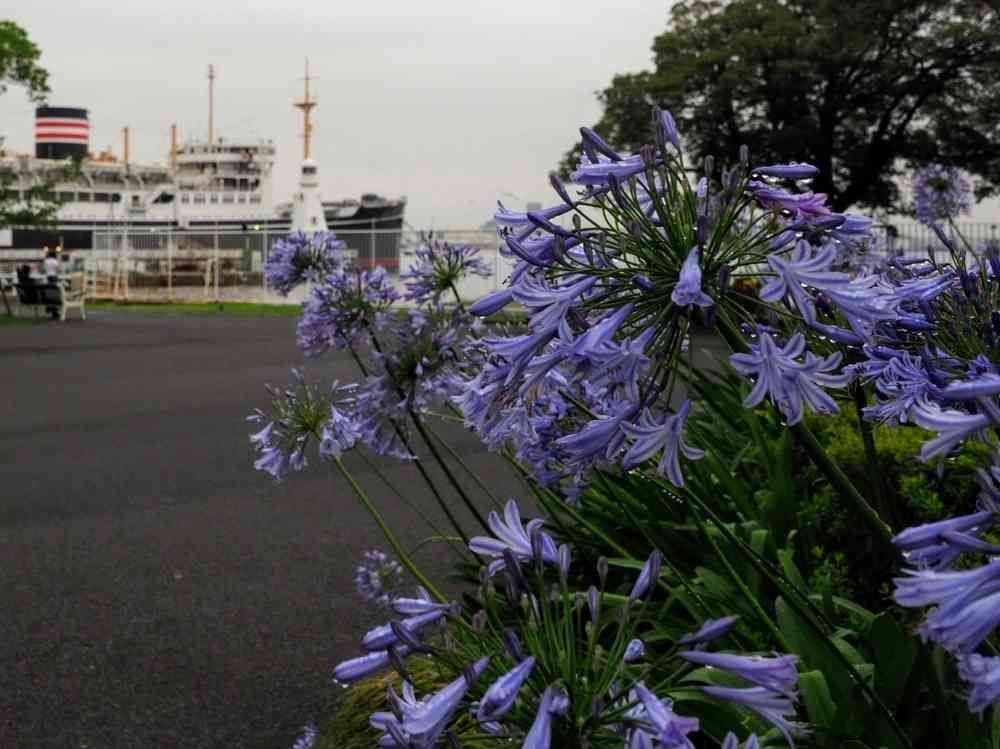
pixel 61 133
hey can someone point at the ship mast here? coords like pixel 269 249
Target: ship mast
pixel 211 104
pixel 306 104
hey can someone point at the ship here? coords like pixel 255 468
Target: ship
pixel 210 184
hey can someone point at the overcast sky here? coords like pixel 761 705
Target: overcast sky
pixel 449 103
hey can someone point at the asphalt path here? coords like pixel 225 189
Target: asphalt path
pixel 156 591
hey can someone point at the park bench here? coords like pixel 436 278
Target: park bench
pixel 60 295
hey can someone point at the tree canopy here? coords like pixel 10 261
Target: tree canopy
pixel 19 62
pixel 863 89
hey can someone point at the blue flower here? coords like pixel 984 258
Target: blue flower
pixel 802 269
pixel 731 742
pixel 665 434
pixel 492 303
pixel 554 702
pixel 792 171
pixel 419 605
pixel 634 651
pixel 363 666
pixel 778 674
pixel 904 384
pixel 953 428
pixel 688 289
pixel 774 707
pixel 711 629
pixel 439 268
pixel 512 534
pixel 667 727
pixel 648 575
pixel 383 636
pixel 300 257
pixel 788 383
pixel 423 721
pixel 983 674
pixel 308 738
pixel 377 577
pixel 499 698
pixel 940 193
pixel 968 604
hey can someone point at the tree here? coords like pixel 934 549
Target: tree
pixel 19 62
pixel 19 65
pixel 863 89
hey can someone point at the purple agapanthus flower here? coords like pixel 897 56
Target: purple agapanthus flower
pixel 903 384
pixel 355 669
pixel 338 310
pixel 500 697
pixel 688 290
pixel 307 739
pixel 553 702
pixel 665 726
pixel 953 428
pixel 710 630
pixel 731 742
pixel 793 171
pixel 791 384
pixel 340 434
pixel 967 601
pixel 377 577
pixel 384 636
pixel 648 575
pixel 940 193
pixel 423 721
pixel 512 534
pixel 805 206
pixel 439 268
pixel 634 651
pixel 983 675
pixel 301 257
pixel 802 269
pixel 652 435
pixel 774 707
pixel 778 673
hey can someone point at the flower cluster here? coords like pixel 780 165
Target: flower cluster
pixel 965 598
pixel 301 414
pixel 347 305
pixel 510 657
pixel 614 279
pixel 940 193
pixel 301 257
pixel 378 577
pixel 439 268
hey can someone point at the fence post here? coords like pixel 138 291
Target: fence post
pixel 215 262
pixel 170 264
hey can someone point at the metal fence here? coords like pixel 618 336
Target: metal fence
pixel 225 265
pixel 228 265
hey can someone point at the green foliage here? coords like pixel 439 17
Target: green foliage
pixel 859 88
pixel 19 62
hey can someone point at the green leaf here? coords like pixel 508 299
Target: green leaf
pixel 819 702
pixel 895 652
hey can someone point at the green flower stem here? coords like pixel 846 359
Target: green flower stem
pixel 418 423
pixel 833 472
pixel 871 453
pixel 389 535
pixel 458 459
pixel 417 462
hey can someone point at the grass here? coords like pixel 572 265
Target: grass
pixel 198 308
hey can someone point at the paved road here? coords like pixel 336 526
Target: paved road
pixel 157 592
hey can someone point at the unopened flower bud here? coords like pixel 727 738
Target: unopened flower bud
pixel 602 570
pixel 709 165
pixel 745 155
